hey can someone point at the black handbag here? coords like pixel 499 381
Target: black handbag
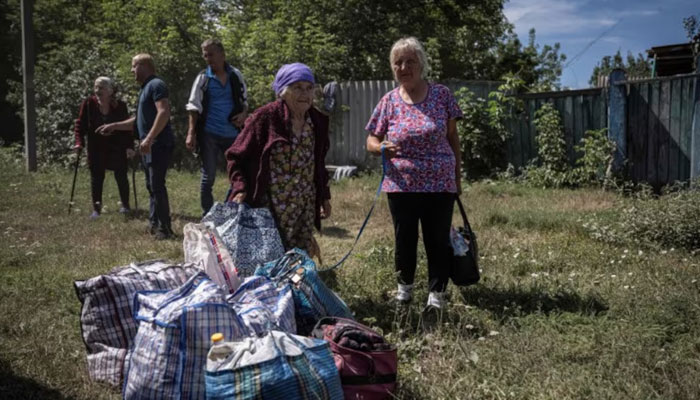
pixel 464 270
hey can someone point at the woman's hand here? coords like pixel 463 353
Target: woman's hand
pixel 390 149
pixel 374 145
pixel 325 209
pixel 239 197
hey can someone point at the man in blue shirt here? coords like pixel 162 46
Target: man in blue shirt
pixel 157 140
pixel 217 110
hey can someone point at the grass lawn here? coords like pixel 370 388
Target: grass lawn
pixel 557 315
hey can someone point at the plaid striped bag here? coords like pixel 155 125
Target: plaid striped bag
pixel 312 298
pixel 262 304
pixel 277 365
pixel 107 324
pixel 169 353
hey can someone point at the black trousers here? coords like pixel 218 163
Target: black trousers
pixel 97 178
pixel 434 211
pixel 155 168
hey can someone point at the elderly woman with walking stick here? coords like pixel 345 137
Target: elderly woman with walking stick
pixel 277 160
pixel 105 151
pixel 416 126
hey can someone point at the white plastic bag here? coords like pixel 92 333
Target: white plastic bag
pixel 203 245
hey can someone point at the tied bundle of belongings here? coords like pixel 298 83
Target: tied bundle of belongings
pixel 107 325
pixel 275 366
pixel 168 356
pixel 312 298
pixel 250 234
pixel 366 362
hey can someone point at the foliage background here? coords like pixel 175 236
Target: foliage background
pixel 79 40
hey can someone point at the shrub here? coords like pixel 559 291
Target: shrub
pixel 483 132
pixel 672 220
pixel 596 154
pixel 551 167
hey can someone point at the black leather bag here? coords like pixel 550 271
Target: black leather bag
pixel 464 270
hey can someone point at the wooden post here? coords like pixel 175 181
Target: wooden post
pixel 617 118
pixel 695 127
pixel 28 76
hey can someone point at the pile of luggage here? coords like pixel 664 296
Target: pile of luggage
pixel 207 328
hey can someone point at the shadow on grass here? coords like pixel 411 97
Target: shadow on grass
pixel 510 302
pixel 19 387
pixel 335 232
pixel 142 214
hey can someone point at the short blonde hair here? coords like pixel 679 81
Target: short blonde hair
pixel 413 44
pixel 145 59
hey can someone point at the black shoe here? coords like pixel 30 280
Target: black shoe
pixel 164 234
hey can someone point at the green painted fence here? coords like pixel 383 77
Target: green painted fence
pixel 580 110
pixel 659 119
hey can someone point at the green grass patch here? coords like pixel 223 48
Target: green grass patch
pixel 558 314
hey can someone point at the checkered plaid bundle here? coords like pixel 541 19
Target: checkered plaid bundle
pixel 169 353
pixel 107 324
pixel 275 366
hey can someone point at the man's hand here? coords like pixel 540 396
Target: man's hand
pixel 78 148
pixel 239 119
pixel 325 209
pixel 105 130
pixel 239 197
pixel 145 147
pixel 191 140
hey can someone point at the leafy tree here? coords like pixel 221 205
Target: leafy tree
pixel 691 25
pixel 634 66
pixel 538 69
pixel 350 40
pixel 9 71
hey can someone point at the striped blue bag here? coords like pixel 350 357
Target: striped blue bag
pixel 263 304
pixel 312 298
pixel 168 355
pixel 277 365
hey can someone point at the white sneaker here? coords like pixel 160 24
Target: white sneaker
pixel 436 299
pixel 404 293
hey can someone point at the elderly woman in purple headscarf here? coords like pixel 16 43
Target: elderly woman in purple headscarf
pixel 277 160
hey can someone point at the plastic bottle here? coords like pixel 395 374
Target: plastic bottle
pixel 218 351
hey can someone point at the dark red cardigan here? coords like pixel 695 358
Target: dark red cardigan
pixel 249 155
pixel 104 152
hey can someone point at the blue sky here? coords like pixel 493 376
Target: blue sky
pixel 627 25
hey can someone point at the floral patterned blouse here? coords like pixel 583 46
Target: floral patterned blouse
pixel 292 192
pixel 426 162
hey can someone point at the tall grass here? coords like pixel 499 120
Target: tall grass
pixel 558 315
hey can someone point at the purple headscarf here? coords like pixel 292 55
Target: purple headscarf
pixel 290 73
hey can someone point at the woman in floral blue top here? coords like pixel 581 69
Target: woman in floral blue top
pixel 416 123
